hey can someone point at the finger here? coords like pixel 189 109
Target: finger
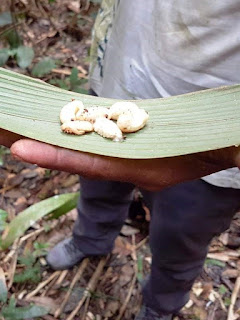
pixel 149 174
pixel 53 157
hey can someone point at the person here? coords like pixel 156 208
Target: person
pixel 149 51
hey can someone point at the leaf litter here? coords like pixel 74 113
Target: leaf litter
pixel 101 288
pixel 104 295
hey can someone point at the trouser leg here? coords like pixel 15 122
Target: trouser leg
pixel 184 220
pixel 102 208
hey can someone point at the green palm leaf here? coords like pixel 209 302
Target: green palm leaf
pixel 200 121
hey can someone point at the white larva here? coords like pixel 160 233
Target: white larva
pixel 70 110
pixel 77 127
pixel 92 113
pixel 120 107
pixel 107 129
pixel 132 122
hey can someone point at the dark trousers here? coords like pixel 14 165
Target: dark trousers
pixel 184 220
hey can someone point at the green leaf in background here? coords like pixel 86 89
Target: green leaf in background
pixel 74 77
pixel 25 56
pixel 13 38
pixel 227 301
pixel 3 152
pixel 11 312
pixel 222 289
pixel 4 56
pixel 28 217
pixel 214 262
pixel 75 82
pixel 66 207
pixel 3 291
pixel 43 67
pixel 140 268
pixel 32 271
pixel 40 249
pixel 80 90
pixel 3 287
pixel 61 83
pixel 3 219
pixel 5 19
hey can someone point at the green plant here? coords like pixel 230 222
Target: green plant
pixel 23 54
pixel 12 312
pixel 222 289
pixel 214 262
pixel 3 152
pixel 43 67
pixel 32 270
pixel 3 220
pixel 71 83
pixel 54 207
pixel 40 249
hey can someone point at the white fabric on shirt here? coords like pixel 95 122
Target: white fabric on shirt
pixel 160 48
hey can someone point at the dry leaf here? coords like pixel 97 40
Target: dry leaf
pixel 122 247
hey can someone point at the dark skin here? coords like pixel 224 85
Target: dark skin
pixel 151 175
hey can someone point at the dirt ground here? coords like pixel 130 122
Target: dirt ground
pixel 106 287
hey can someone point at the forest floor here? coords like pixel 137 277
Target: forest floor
pixel 99 288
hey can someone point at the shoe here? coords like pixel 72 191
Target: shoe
pixel 147 313
pixel 65 255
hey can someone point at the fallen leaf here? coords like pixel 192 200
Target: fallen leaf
pixel 122 247
pixel 111 308
pixel 129 231
pixel 50 303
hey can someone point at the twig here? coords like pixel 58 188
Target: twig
pixel 212 313
pixel 13 265
pixel 62 277
pixel 134 257
pixel 51 284
pixel 77 276
pixel 134 254
pixel 124 306
pixel 225 257
pixel 106 275
pixel 234 296
pixel 12 252
pixel 67 72
pixel 32 234
pixel 42 285
pixel 90 287
pixel 82 70
pixel 141 243
pixel 24 238
pixel 218 296
pixel 86 308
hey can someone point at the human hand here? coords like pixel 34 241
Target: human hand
pixel 152 174
pixel 7 138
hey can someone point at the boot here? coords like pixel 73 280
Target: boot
pixel 65 255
